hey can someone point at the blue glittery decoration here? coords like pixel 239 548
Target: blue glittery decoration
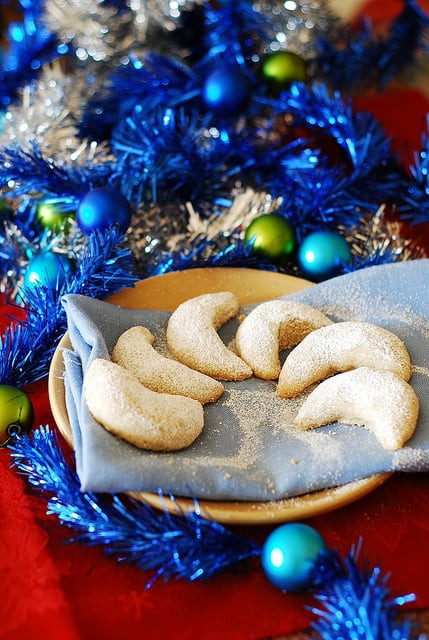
pixel 348 58
pixel 356 604
pixel 415 208
pixel 185 545
pixel 29 47
pixel 26 349
pixel 28 171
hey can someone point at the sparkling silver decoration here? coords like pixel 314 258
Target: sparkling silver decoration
pixel 159 232
pixel 168 13
pixel 296 24
pixel 96 30
pixel 47 113
pixel 378 235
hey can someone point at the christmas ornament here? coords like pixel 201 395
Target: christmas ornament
pixel 48 269
pixel 284 67
pixel 322 254
pixel 351 601
pixel 101 208
pixel 16 413
pixel 271 236
pixel 50 215
pixel 225 91
pixel 289 556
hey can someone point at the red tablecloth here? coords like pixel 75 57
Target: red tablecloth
pixel 51 590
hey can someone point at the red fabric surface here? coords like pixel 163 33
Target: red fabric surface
pixel 51 590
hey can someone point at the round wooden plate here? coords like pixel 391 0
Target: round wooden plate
pixel 165 293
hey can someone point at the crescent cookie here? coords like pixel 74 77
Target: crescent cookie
pixel 340 347
pixel 272 327
pixel 193 340
pixel 134 351
pixel 380 400
pixel 146 419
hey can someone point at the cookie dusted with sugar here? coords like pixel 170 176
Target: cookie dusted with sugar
pixel 340 347
pixel 134 351
pixel 379 400
pixel 193 339
pixel 272 327
pixel 146 419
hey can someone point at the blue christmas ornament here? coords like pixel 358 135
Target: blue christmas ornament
pixel 49 269
pixel 226 91
pixel 101 208
pixel 322 254
pixel 289 556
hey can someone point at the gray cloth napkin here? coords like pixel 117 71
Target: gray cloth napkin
pixel 249 448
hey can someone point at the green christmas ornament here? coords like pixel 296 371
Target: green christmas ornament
pixel 271 236
pixel 284 67
pixel 51 215
pixel 16 413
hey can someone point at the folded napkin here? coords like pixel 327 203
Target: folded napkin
pixel 249 448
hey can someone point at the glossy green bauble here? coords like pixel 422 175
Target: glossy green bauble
pixel 16 412
pixel 271 236
pixel 284 67
pixel 50 215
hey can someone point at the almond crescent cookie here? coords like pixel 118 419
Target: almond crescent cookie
pixel 272 327
pixel 380 400
pixel 340 347
pixel 146 419
pixel 193 340
pixel 134 351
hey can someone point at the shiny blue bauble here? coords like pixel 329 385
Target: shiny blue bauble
pixel 101 208
pixel 49 269
pixel 322 254
pixel 225 91
pixel 289 556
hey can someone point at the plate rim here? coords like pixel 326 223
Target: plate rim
pixel 230 512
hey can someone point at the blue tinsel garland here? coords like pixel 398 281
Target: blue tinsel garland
pixel 354 603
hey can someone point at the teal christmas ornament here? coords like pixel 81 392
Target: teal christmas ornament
pixel 271 236
pixel 49 269
pixel 225 91
pixel 322 254
pixel 101 208
pixel 16 413
pixel 289 556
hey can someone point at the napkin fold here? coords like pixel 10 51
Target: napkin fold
pixel 249 448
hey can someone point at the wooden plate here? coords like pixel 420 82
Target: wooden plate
pixel 165 293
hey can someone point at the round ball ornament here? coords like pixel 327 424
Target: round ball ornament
pixel 49 269
pixel 271 236
pixel 225 91
pixel 289 556
pixel 322 254
pixel 282 68
pixel 16 413
pixel 101 208
pixel 50 216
